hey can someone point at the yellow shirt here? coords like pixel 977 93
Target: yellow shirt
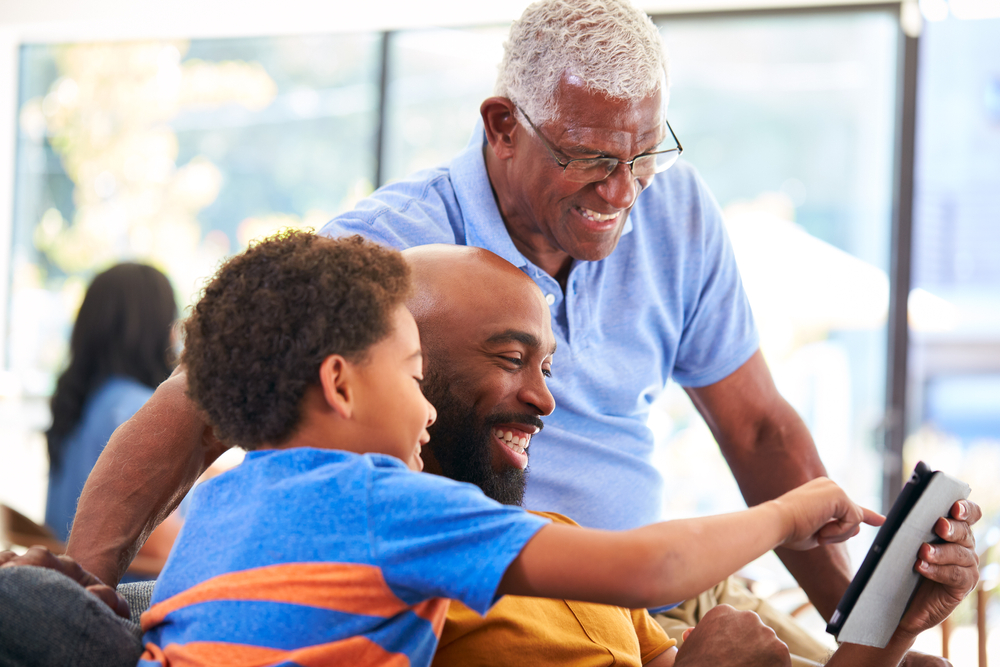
pixel 538 631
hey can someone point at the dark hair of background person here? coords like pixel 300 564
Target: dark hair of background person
pixel 123 328
pixel 260 332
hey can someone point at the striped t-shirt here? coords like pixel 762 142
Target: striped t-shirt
pixel 318 557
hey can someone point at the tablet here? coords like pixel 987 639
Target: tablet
pixel 877 597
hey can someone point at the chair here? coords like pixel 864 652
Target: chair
pixel 17 530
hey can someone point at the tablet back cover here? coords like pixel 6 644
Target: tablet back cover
pixel 881 604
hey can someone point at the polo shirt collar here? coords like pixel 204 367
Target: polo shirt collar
pixel 484 228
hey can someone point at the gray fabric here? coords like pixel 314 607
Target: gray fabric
pixel 137 595
pixel 47 619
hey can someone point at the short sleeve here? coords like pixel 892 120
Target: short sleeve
pixel 653 640
pixel 719 334
pixel 433 537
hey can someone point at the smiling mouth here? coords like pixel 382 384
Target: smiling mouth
pixel 514 439
pixel 595 216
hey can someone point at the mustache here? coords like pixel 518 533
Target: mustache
pixel 514 418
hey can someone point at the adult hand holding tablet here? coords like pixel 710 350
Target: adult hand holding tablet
pixel 876 600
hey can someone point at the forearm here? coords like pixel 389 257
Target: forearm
pixel 693 555
pixel 151 461
pixel 855 655
pixel 650 566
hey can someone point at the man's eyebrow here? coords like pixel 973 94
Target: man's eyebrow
pixel 518 336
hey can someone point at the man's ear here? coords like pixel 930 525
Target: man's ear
pixel 500 124
pixel 337 377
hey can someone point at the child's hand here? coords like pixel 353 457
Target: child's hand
pixel 819 512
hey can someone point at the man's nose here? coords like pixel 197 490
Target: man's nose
pixel 536 394
pixel 620 188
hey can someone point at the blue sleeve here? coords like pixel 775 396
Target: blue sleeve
pixel 719 333
pixel 434 537
pixel 417 211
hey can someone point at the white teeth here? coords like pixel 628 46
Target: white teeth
pixel 599 217
pixel 514 443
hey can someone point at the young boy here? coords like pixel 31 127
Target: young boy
pixel 323 547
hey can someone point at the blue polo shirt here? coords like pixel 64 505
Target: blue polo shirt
pixel 668 302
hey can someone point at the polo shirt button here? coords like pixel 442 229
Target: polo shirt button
pixel 550 299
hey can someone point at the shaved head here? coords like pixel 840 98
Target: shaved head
pixel 486 333
pixel 453 284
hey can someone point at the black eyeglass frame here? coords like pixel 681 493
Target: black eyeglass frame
pixel 607 159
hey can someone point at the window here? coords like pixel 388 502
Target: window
pixel 954 382
pixel 433 97
pixel 789 118
pixel 175 153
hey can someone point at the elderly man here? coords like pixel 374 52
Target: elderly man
pixel 486 372
pixel 567 179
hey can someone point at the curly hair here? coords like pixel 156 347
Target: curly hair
pixel 264 324
pixel 611 45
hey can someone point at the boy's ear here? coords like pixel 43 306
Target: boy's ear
pixel 336 378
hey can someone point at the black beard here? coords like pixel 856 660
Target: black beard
pixel 462 444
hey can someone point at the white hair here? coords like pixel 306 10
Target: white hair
pixel 613 47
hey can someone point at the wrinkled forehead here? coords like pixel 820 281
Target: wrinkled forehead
pixel 585 116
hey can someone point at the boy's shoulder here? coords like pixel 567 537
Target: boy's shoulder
pixel 305 458
pixel 294 461
pixel 381 476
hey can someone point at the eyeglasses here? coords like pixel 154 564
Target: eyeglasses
pixel 593 169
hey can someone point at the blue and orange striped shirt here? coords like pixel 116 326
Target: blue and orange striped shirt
pixel 320 557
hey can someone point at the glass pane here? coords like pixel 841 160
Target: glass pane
pixel 437 80
pixel 955 305
pixel 790 121
pixel 175 153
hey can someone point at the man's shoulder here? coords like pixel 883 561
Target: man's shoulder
pixel 675 216
pixel 420 209
pixel 680 187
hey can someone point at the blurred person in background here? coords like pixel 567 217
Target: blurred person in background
pixel 121 348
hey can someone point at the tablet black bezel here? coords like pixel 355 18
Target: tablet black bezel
pixel 905 501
